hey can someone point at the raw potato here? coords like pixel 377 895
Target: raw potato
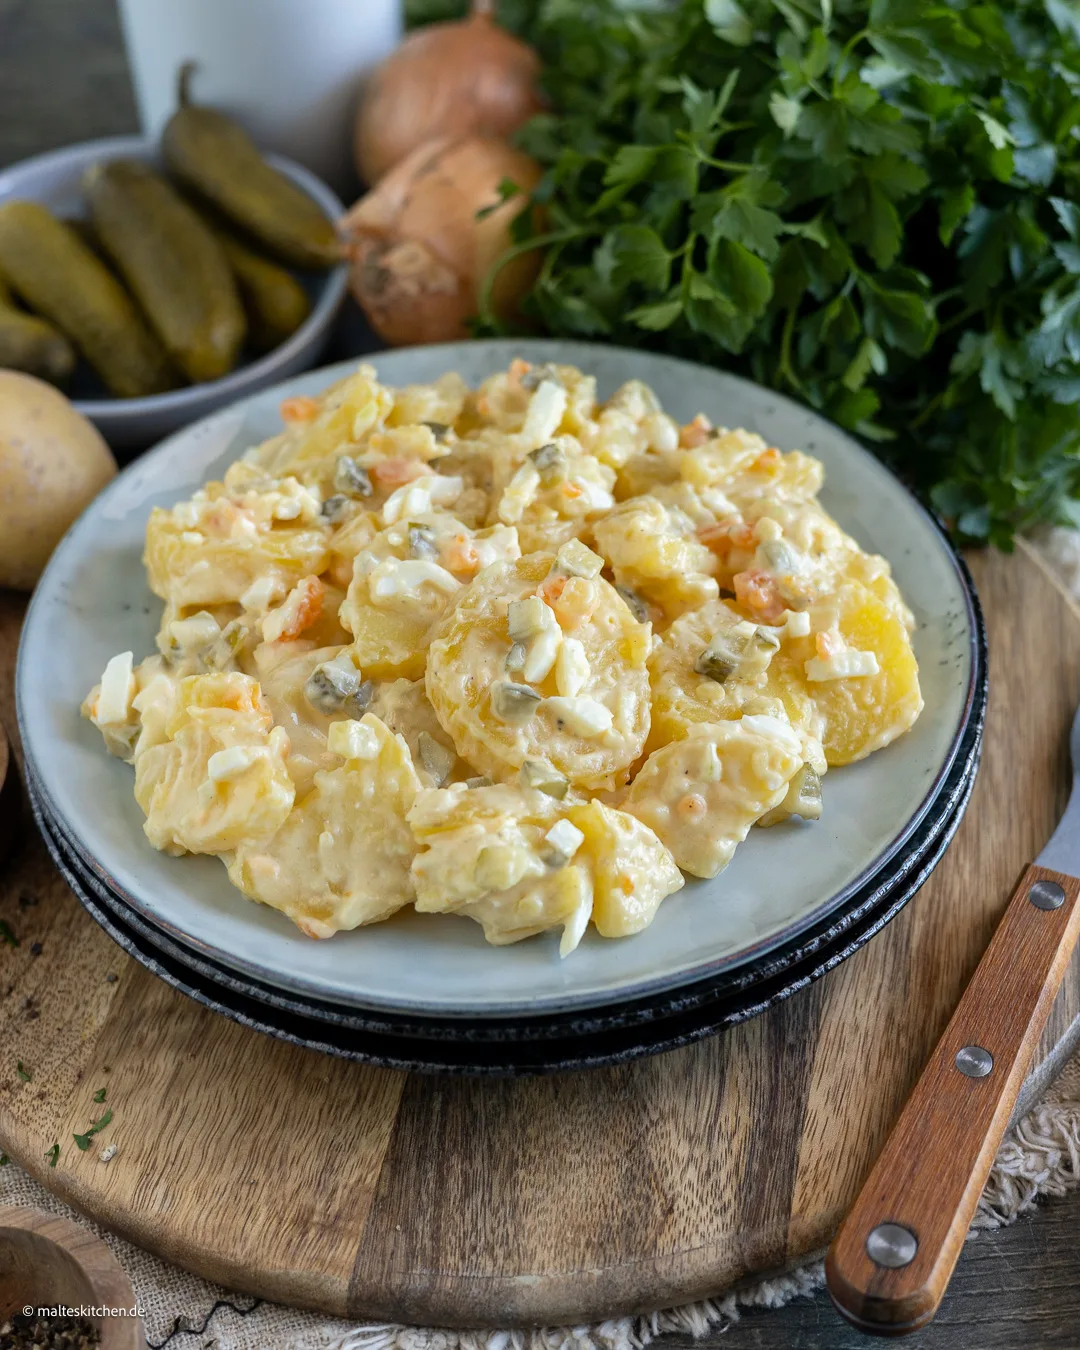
pixel 52 465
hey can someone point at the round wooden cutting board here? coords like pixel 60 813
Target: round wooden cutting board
pixel 369 1193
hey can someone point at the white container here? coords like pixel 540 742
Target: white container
pixel 287 70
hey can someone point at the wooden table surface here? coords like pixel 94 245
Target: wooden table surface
pixel 63 78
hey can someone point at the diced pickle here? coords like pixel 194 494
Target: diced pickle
pixel 422 542
pixel 515 657
pixel 780 556
pixel 224 649
pixel 534 378
pixel 436 758
pixel 439 430
pixel 636 605
pixel 336 508
pixel 479 780
pixel 803 799
pixel 513 702
pixel 738 651
pixel 336 686
pixel 539 774
pixel 351 478
pixel 551 463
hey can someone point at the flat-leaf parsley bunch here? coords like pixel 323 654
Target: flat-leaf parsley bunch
pixel 869 206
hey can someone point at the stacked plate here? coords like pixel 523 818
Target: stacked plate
pixel 426 992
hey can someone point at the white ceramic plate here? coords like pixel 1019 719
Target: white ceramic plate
pixel 93 601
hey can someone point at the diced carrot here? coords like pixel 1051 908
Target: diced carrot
pixel 551 588
pixel 518 367
pixel 769 460
pixel 461 555
pixel 696 432
pixel 576 603
pixel 725 535
pixel 828 644
pixel 300 409
pixel 395 472
pixel 571 489
pixel 308 608
pixel 758 592
pixel 483 405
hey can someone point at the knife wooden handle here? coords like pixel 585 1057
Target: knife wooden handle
pixel 893 1256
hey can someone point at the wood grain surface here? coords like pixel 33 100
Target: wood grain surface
pixel 366 1192
pixel 46 1261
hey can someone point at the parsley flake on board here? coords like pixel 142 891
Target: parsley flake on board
pixel 866 204
pixel 22 1071
pixel 82 1141
pixel 99 1095
pixel 53 1154
pixel 6 935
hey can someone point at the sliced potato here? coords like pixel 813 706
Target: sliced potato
pixel 861 713
pixel 632 870
pixel 467 674
pixel 701 795
pixel 342 857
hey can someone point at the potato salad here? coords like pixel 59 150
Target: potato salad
pixel 511 653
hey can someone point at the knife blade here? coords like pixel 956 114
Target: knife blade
pixel 891 1260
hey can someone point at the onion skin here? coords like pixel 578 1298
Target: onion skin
pixel 470 78
pixel 419 255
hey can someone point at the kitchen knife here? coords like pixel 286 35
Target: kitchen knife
pixel 893 1255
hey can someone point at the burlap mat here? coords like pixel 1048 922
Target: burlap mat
pixel 1040 1157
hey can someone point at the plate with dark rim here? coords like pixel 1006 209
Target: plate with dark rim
pixel 420 1043
pixel 525 1045
pixel 93 601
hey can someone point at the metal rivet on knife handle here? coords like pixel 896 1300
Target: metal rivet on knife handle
pixel 1046 895
pixel 891 1245
pixel 974 1061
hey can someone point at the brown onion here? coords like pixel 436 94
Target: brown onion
pixel 419 254
pixel 470 78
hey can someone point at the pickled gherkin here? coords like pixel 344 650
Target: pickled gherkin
pixel 803 799
pixel 214 157
pixel 175 267
pixel 275 302
pixel 54 272
pixel 32 345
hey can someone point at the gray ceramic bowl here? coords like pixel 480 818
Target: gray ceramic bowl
pixel 54 180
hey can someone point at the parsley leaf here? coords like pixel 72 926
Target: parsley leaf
pixel 635 253
pixel 867 205
pixel 6 935
pixel 99 1095
pixel 22 1071
pixel 83 1140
